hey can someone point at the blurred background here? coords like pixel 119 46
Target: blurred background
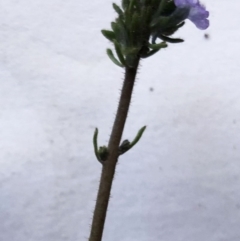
pixel 181 182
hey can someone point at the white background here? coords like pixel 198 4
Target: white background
pixel 180 183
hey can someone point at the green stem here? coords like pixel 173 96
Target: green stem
pixel 108 167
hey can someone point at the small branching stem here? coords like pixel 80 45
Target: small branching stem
pixel 108 167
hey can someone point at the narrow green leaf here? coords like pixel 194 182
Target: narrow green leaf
pixel 180 24
pixel 119 53
pixel 150 53
pixel 121 32
pixel 157 46
pixel 170 40
pixel 171 30
pixel 125 4
pixel 113 26
pixel 137 138
pixel 146 15
pixel 159 22
pixel 112 57
pixel 126 145
pixel 110 35
pixel 135 29
pixel 160 7
pixel 95 144
pixel 131 6
pixel 118 9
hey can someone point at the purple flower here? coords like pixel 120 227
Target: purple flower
pixel 197 12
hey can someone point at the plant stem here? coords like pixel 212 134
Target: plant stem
pixel 109 166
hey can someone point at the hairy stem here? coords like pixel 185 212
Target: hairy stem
pixel 109 165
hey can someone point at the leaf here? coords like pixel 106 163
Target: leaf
pixel 118 9
pixel 170 40
pixel 119 53
pixel 180 24
pixel 112 57
pixel 171 30
pixel 121 32
pixel 138 137
pixel 131 4
pixel 95 143
pixel 125 4
pixel 110 35
pixel 150 53
pixel 157 46
pixel 159 22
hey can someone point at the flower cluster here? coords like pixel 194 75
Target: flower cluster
pixel 140 23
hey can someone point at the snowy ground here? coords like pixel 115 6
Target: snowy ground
pixel 181 182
